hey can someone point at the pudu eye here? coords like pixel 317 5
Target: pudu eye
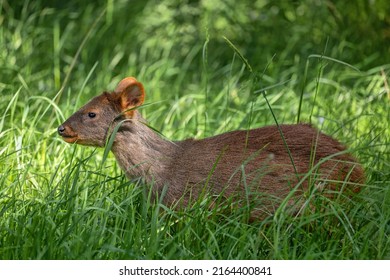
pixel 91 115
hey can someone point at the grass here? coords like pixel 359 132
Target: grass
pixel 58 201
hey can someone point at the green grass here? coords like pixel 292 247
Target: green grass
pixel 58 201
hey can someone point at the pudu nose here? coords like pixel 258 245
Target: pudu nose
pixel 61 130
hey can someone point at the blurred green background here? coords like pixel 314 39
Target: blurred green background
pixel 136 35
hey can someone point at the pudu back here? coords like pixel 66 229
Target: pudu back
pixel 262 165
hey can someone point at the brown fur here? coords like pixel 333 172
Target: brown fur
pixel 257 164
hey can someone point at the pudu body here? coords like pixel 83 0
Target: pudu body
pixel 262 165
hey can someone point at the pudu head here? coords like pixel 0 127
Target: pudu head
pixel 91 124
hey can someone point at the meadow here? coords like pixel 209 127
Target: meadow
pixel 208 67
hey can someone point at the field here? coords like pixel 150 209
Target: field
pixel 208 67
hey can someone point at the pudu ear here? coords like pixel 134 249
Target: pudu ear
pixel 131 94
